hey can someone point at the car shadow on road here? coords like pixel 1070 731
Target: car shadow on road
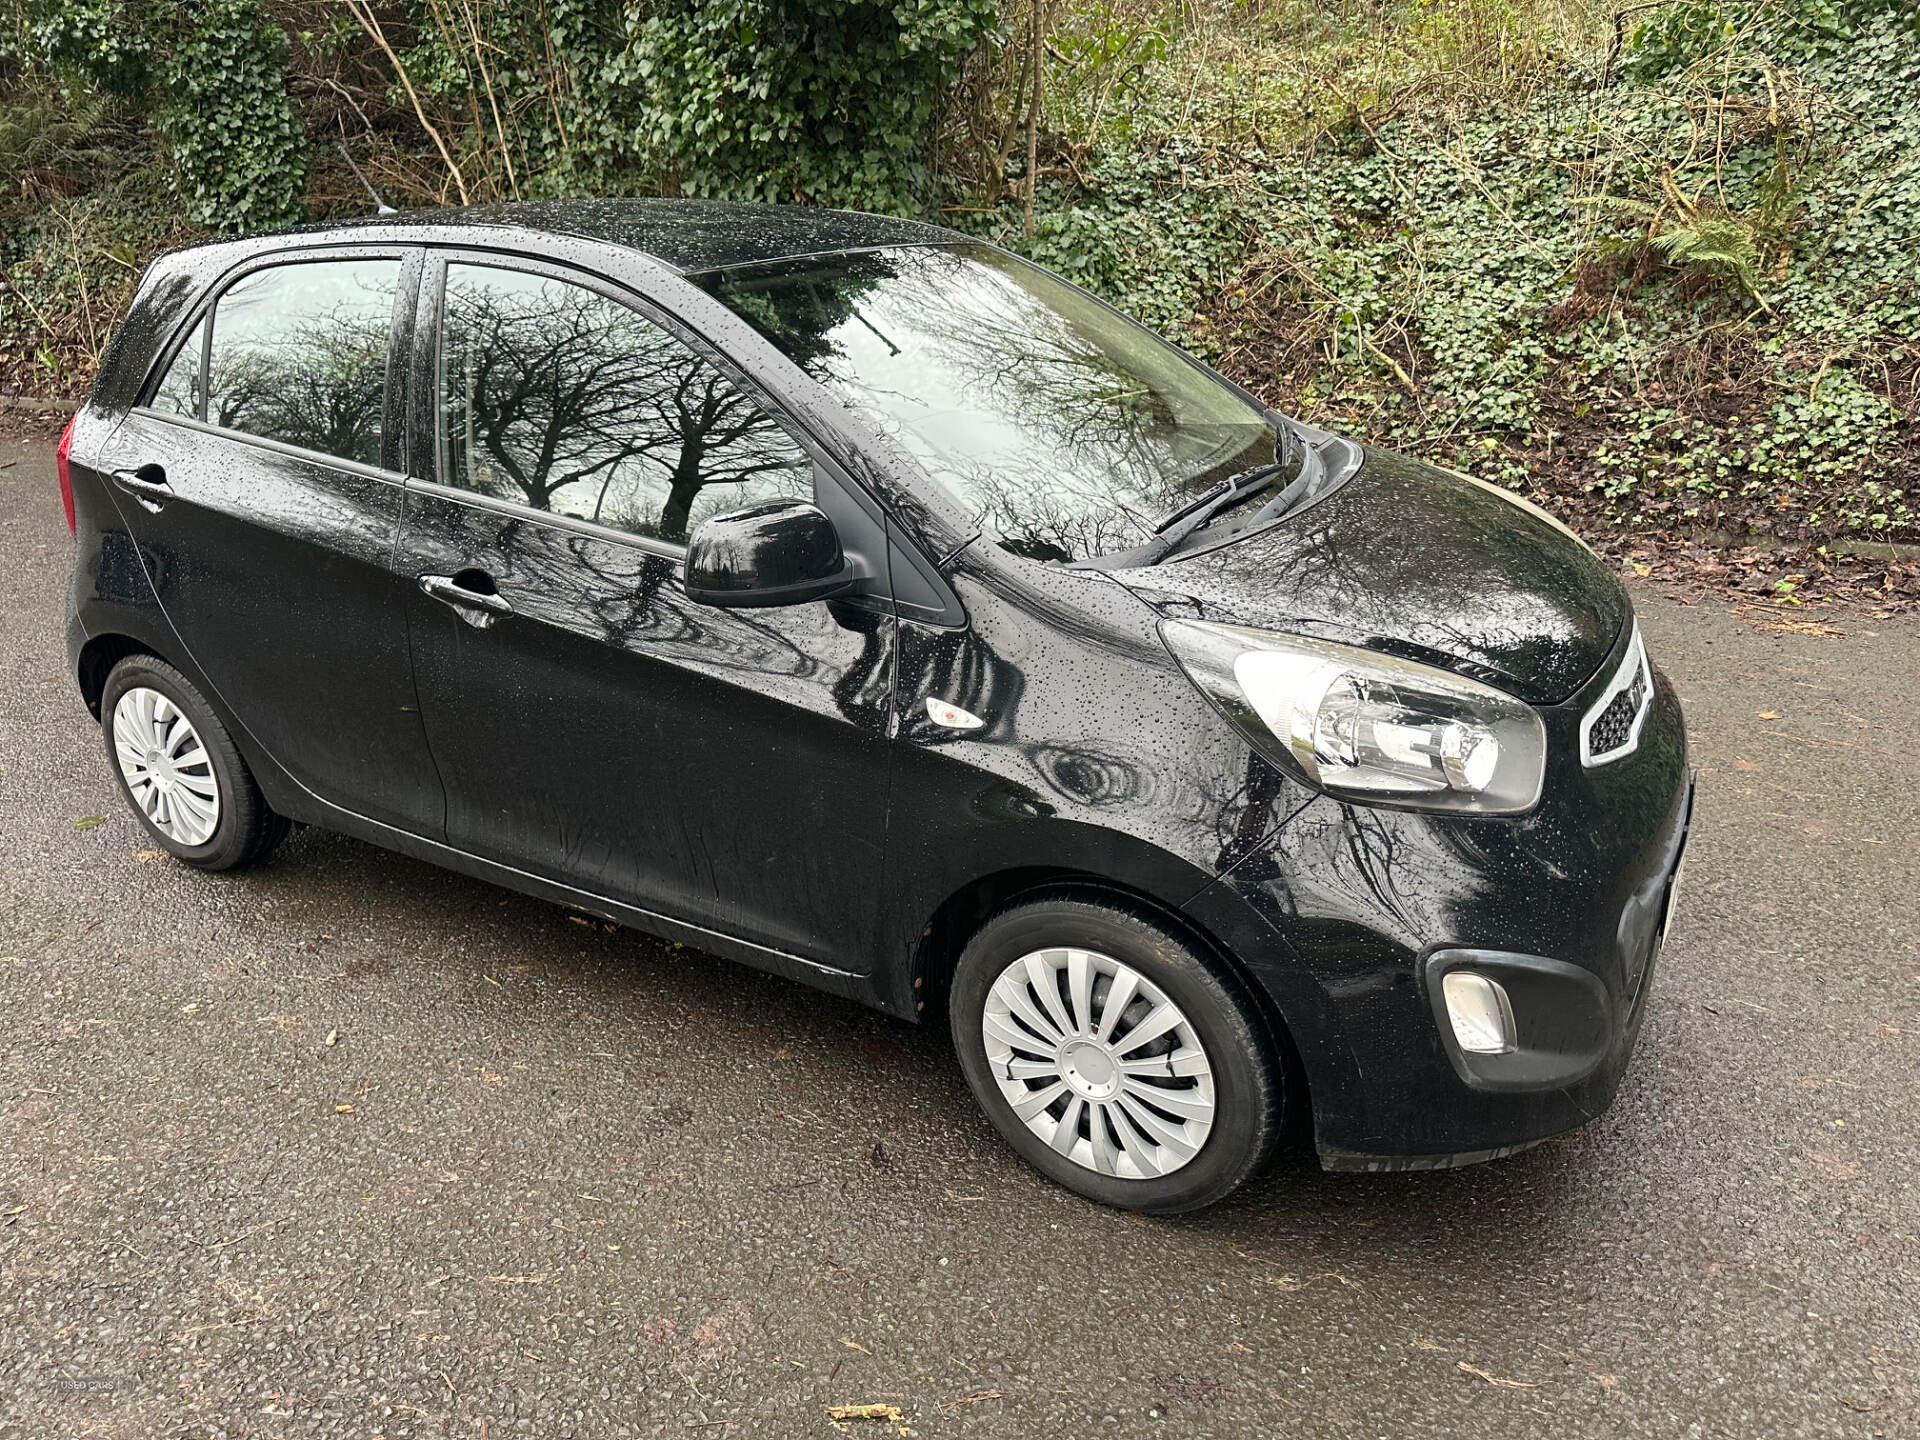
pixel 417 926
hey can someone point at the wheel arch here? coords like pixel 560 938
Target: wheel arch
pixel 96 661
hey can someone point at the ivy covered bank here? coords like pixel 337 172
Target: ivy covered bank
pixel 1656 265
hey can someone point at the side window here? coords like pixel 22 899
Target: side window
pixel 179 392
pixel 300 355
pixel 554 396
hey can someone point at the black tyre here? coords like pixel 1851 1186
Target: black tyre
pixel 1113 1057
pixel 178 768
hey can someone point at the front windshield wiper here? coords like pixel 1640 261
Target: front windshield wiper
pixel 1171 529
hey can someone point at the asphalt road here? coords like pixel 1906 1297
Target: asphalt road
pixel 349 1146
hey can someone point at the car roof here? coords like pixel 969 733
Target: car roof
pixel 689 236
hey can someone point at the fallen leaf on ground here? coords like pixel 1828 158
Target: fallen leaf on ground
pixel 1499 1381
pixel 866 1412
pixel 343 1109
pixel 89 822
pixel 147 857
pixel 1768 714
pixel 856 1345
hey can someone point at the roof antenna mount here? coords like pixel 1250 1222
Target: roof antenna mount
pixel 380 207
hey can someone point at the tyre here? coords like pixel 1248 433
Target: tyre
pixel 180 771
pixel 1113 1057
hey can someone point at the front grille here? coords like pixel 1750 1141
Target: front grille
pixel 1611 728
pixel 1614 728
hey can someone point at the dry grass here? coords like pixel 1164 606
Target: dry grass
pixel 1272 77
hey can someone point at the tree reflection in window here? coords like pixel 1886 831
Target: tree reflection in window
pixel 300 355
pixel 1062 424
pixel 556 397
pixel 179 390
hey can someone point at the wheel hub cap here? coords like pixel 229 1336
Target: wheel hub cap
pixel 1089 1069
pixel 167 770
pixel 1096 1060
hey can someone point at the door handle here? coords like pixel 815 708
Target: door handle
pixel 148 485
pixel 479 608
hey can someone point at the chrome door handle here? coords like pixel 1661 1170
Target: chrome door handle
pixel 478 608
pixel 148 485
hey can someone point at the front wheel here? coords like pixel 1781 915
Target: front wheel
pixel 1113 1057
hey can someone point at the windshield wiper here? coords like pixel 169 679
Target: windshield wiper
pixel 1181 523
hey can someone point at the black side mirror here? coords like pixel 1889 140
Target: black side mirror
pixel 780 552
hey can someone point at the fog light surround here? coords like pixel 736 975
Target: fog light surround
pixel 1481 1013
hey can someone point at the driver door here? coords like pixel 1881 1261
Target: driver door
pixel 590 723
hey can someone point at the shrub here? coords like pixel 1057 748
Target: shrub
pixel 212 73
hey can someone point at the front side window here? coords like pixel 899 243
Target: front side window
pixel 556 397
pixel 300 355
pixel 1067 427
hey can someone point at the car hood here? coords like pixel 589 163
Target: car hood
pixel 1421 562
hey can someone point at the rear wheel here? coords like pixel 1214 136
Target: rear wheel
pixel 180 770
pixel 1113 1057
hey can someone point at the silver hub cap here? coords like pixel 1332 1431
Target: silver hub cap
pixel 1099 1063
pixel 167 769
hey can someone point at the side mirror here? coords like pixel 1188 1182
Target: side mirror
pixel 780 552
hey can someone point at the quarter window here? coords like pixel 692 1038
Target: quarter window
pixel 300 355
pixel 179 392
pixel 555 397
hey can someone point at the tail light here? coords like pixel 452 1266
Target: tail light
pixel 64 470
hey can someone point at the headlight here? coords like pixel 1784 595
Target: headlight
pixel 1366 725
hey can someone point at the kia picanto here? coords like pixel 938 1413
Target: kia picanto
pixel 849 598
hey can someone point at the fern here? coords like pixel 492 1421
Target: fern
pixel 1696 234
pixel 1718 243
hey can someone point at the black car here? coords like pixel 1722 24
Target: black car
pixel 853 599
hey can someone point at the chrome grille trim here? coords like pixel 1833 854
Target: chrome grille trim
pixel 1634 672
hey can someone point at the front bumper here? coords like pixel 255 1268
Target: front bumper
pixel 1350 915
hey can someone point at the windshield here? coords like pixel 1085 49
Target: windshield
pixel 1061 424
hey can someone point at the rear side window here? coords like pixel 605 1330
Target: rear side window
pixel 179 392
pixel 300 355
pixel 556 397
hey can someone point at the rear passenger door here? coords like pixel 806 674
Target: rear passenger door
pixel 592 725
pixel 259 478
